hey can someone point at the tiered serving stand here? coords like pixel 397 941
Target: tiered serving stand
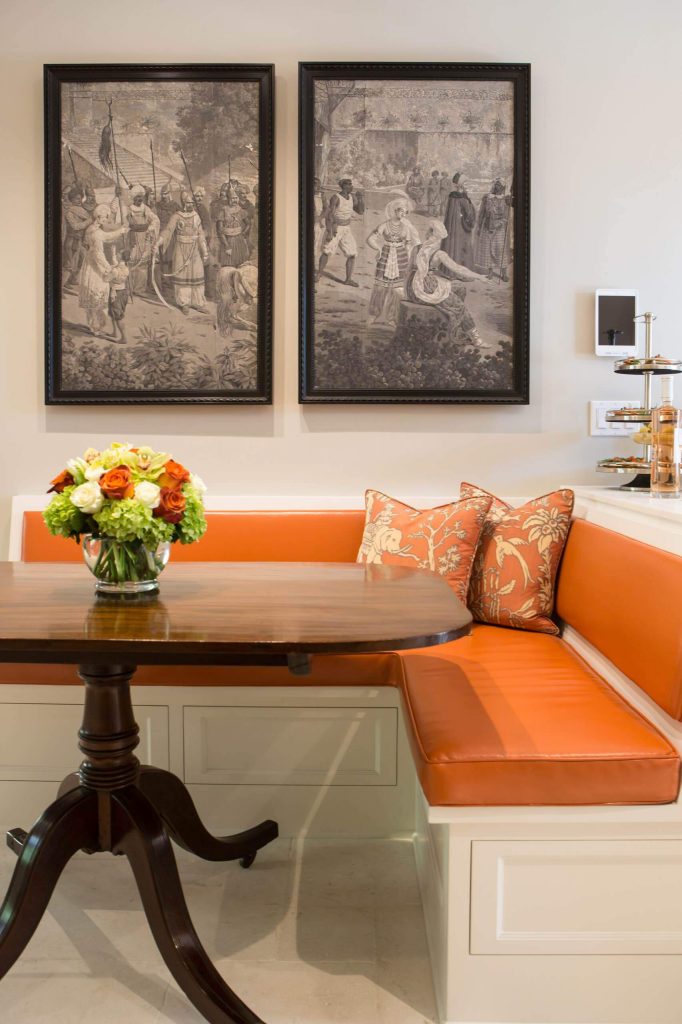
pixel 649 366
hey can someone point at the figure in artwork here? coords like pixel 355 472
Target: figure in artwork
pixel 98 268
pixel 76 220
pixel 343 207
pixel 493 240
pixel 433 195
pixel 237 290
pixel 119 293
pixel 431 282
pixel 416 187
pixel 393 241
pixel 459 223
pixel 166 206
pixel 232 227
pixel 320 225
pixel 185 235
pixel 445 187
pixel 143 232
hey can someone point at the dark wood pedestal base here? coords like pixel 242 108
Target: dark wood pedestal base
pixel 112 804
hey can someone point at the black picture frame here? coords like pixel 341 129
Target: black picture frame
pixel 213 356
pixel 332 349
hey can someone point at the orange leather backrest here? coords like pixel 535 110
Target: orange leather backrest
pixel 280 536
pixel 625 598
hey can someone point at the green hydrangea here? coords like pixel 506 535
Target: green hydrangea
pixel 193 524
pixel 62 518
pixel 127 519
pixel 157 532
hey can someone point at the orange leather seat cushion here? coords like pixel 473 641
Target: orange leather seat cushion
pixel 625 597
pixel 326 670
pixel 504 717
pixel 279 536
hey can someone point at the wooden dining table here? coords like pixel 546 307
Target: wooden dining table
pixel 205 613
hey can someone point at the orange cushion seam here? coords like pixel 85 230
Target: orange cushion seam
pixel 533 759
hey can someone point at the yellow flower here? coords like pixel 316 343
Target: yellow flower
pixel 117 454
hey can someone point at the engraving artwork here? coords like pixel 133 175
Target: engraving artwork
pixel 413 203
pixel 160 264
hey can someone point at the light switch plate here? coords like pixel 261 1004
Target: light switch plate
pixel 598 425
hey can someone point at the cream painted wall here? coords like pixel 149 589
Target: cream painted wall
pixel 606 160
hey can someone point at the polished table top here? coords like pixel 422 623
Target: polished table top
pixel 211 612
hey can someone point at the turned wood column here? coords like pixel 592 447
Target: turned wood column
pixel 109 733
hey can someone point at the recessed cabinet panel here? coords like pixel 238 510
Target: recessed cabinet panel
pixel 39 742
pixel 576 897
pixel 283 746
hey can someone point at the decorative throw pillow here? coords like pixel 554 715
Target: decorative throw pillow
pixel 442 539
pixel 512 582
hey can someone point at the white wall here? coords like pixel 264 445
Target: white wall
pixel 606 160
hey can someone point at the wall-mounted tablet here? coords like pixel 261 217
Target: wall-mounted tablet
pixel 615 310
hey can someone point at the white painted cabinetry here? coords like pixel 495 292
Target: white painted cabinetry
pixel 330 760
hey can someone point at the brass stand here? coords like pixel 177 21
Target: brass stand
pixel 646 368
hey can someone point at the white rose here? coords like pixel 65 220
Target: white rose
pixel 94 472
pixel 197 483
pixel 148 493
pixel 88 498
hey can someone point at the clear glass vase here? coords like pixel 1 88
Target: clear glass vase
pixel 124 567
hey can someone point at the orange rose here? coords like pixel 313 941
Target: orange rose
pixel 174 475
pixel 62 480
pixel 171 507
pixel 117 483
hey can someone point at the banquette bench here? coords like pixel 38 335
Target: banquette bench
pixel 548 833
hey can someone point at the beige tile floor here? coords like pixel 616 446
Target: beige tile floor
pixel 316 932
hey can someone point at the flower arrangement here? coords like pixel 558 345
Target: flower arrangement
pixel 135 499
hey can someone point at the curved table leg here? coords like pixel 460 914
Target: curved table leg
pixel 175 806
pixel 16 837
pixel 140 835
pixel 67 825
pixel 71 781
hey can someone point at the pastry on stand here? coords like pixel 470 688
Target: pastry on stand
pixel 647 366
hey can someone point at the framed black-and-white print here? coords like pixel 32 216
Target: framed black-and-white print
pixel 414 265
pixel 159 233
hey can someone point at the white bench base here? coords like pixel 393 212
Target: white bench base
pixel 556 915
pixel 527 927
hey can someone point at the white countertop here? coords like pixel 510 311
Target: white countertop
pixel 642 504
pixel 656 521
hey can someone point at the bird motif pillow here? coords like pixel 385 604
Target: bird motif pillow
pixel 442 539
pixel 515 568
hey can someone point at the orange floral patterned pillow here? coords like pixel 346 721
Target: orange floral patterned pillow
pixel 512 582
pixel 442 539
